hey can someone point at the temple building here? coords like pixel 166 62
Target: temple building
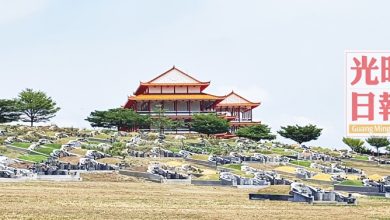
pixel 237 110
pixel 181 96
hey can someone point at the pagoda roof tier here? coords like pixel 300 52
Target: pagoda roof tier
pixel 174 97
pixel 172 77
pixel 235 100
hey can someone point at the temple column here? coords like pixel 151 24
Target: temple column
pixel 239 114
pixel 175 106
pixel 189 107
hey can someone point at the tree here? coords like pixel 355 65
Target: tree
pixel 256 132
pixel 8 111
pixel 161 121
pixel 36 106
pixel 209 124
pixel 300 134
pixel 378 142
pixel 355 144
pixel 118 118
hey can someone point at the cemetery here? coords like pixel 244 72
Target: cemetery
pixel 57 151
pixel 304 193
pixel 313 176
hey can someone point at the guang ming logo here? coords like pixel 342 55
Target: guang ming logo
pixel 367 97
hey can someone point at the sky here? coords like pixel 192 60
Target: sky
pixel 288 54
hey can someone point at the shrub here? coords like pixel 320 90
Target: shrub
pixel 3 149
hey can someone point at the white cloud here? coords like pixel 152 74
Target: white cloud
pixel 13 10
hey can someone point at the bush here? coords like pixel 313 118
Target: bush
pixel 256 132
pixel 3 149
pixel 152 136
pixel 117 149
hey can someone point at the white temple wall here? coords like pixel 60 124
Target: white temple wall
pixel 155 89
pixel 194 89
pixel 168 89
pixel 181 89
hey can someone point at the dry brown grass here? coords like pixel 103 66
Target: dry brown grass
pixel 71 159
pixel 128 200
pixel 276 189
pixel 370 168
pixel 79 151
pixel 108 177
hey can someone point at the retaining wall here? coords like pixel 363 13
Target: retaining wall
pixel 357 189
pixel 107 141
pixel 270 197
pixel 202 163
pixel 206 182
pixel 147 176
pixel 176 181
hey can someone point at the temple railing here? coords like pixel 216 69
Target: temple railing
pixel 172 113
pixel 242 120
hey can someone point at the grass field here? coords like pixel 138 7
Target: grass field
pixel 303 163
pixel 352 183
pixel 54 146
pixel 361 157
pixel 45 150
pixel 139 200
pixel 21 144
pixel 33 158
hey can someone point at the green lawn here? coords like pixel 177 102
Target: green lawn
pixel 233 166
pixel 44 150
pixel 281 151
pixel 33 158
pixel 53 146
pixel 303 163
pixel 209 177
pixel 174 149
pixel 21 144
pixel 236 169
pixel 361 157
pixel 352 183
